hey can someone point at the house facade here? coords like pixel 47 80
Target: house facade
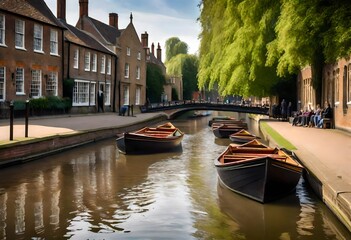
pixel 335 90
pixel 125 43
pixel 31 45
pixel 90 69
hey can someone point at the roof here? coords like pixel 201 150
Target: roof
pixel 34 9
pixel 83 38
pixel 109 33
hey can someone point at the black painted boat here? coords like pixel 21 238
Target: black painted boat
pixel 257 171
pixel 163 138
pixel 224 130
pixel 221 119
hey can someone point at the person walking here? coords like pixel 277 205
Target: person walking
pixel 101 99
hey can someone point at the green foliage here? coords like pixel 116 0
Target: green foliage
pixel 68 85
pixel 174 47
pixel 249 46
pixel 154 82
pixel 51 103
pixel 19 105
pixel 175 96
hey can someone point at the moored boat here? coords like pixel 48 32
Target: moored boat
pixel 163 138
pixel 224 130
pixel 221 119
pixel 243 136
pixel 257 171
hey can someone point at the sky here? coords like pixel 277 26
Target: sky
pixel 161 19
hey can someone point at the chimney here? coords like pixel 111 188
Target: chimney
pixel 61 9
pixel 145 39
pixel 83 8
pixel 159 53
pixel 114 20
pixel 153 49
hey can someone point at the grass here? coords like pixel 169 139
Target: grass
pixel 279 139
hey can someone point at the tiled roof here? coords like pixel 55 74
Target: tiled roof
pixel 35 9
pixel 108 32
pixel 80 37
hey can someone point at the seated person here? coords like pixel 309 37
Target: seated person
pixel 316 115
pixel 327 113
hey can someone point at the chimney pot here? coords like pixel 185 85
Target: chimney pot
pixel 113 20
pixel 83 8
pixel 61 9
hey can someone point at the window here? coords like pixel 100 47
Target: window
pixel 108 66
pixel 2 83
pixel 126 70
pixel 35 85
pixel 128 51
pixel 53 42
pixel 2 29
pixel 87 61
pixel 81 93
pixel 19 81
pixel 137 95
pixel 107 93
pixel 94 63
pixel 138 73
pixel 336 86
pixel 38 38
pixel 126 95
pixel 76 59
pixel 92 93
pixel 103 63
pixel 51 84
pixel 139 56
pixel 19 34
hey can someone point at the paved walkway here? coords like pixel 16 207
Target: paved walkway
pixel 325 152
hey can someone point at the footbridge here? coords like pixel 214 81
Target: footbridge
pixel 176 108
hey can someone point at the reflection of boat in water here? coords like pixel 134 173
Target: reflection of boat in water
pixel 162 138
pixel 258 171
pixel 276 220
pixel 198 114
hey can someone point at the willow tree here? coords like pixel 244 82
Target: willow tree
pixel 233 49
pixel 175 46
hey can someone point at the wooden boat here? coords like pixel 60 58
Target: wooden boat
pixel 163 138
pixel 257 171
pixel 224 130
pixel 221 119
pixel 243 136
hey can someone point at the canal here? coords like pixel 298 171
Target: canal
pixel 93 192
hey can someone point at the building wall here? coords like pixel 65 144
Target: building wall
pixel 130 40
pixel 26 58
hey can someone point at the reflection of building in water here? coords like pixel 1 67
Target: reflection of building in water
pixel 55 189
pixel 38 203
pixel 3 209
pixel 20 203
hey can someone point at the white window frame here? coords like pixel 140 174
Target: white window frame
pixel 138 72
pixel 52 84
pixel 81 93
pixel 107 93
pixel 87 61
pixel 92 87
pixel 126 95
pixel 53 42
pixel 94 63
pixel 139 55
pixel 19 81
pixel 2 84
pixel 128 51
pixel 126 70
pixel 76 59
pixel 2 30
pixel 103 64
pixel 38 38
pixel 108 67
pixel 36 83
pixel 137 95
pixel 19 34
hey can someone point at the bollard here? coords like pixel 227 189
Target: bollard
pixel 11 121
pixel 132 109
pixel 26 119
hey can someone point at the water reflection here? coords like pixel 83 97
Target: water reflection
pixel 93 192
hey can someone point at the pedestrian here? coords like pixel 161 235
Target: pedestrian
pixel 283 109
pixel 101 99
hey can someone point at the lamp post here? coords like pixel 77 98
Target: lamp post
pixel 26 119
pixel 11 120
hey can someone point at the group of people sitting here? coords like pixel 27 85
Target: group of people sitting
pixel 312 118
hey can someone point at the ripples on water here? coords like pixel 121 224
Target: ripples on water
pixel 94 192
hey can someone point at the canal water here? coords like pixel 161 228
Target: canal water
pixel 93 192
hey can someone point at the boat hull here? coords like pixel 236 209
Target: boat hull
pixel 263 179
pixel 133 144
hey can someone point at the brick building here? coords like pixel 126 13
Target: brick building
pixel 31 43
